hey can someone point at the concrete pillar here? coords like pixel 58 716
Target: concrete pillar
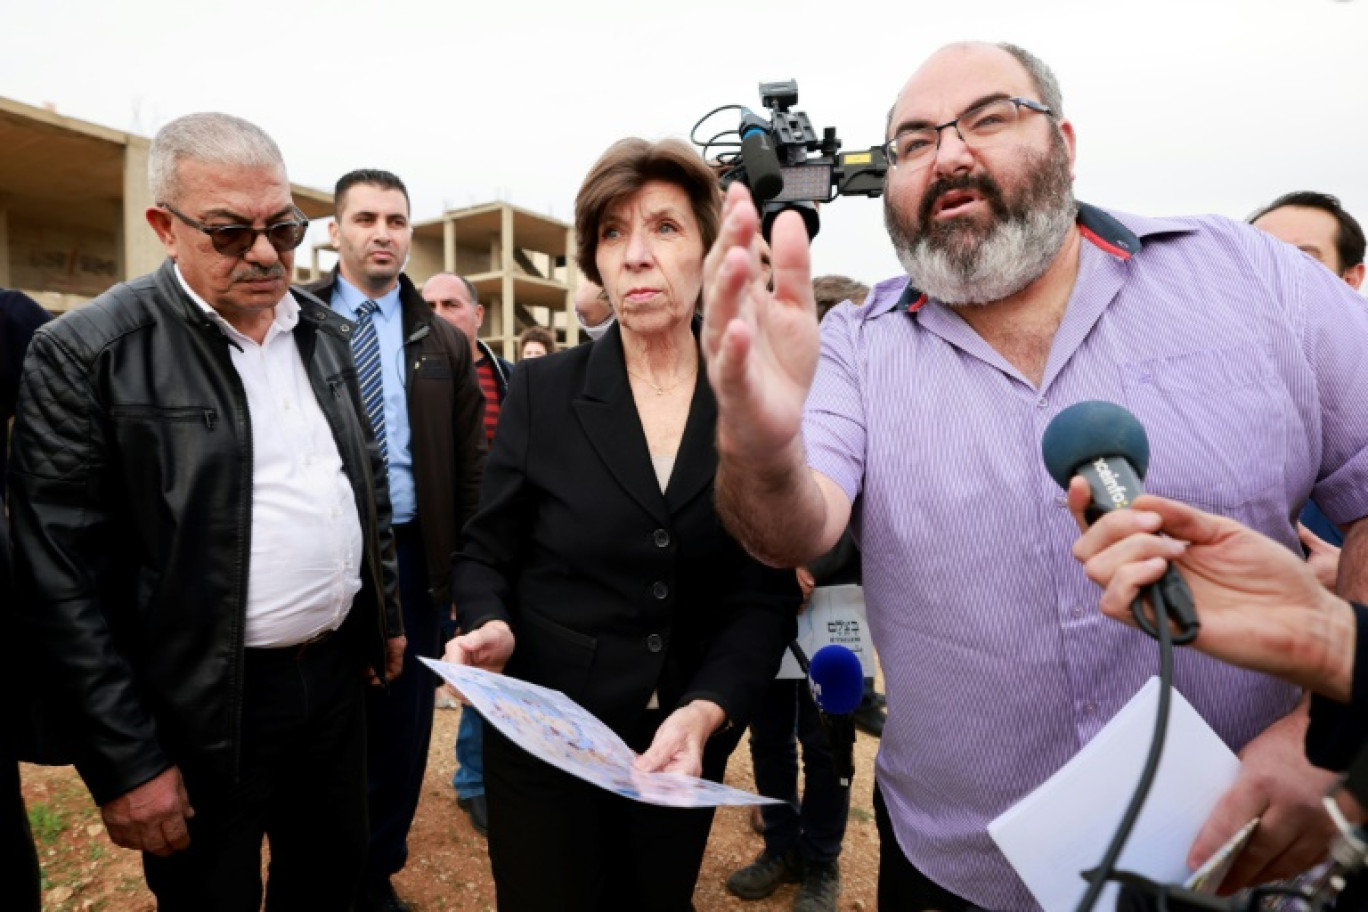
pixel 510 325
pixel 449 245
pixel 139 250
pixel 572 279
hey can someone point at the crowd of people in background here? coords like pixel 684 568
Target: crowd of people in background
pixel 241 511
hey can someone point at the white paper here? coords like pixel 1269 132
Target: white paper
pixel 835 614
pixel 549 725
pixel 1064 826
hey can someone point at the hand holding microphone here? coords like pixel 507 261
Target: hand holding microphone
pixel 1106 446
pixel 1261 606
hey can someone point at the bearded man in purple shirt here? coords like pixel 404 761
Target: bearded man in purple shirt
pixel 918 418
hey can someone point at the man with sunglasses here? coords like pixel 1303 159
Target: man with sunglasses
pixel 919 415
pixel 202 539
pixel 418 378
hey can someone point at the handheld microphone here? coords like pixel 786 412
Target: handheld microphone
pixel 759 158
pixel 1106 444
pixel 837 684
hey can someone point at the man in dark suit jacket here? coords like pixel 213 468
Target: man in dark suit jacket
pixel 631 600
pixel 455 299
pixel 20 315
pixel 427 407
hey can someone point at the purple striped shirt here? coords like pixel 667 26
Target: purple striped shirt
pixel 1247 363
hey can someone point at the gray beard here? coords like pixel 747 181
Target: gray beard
pixel 953 265
pixel 1014 254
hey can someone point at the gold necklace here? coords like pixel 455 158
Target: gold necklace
pixel 662 390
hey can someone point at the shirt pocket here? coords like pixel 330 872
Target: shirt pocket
pixel 1215 420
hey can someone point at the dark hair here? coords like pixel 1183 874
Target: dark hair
pixel 623 170
pixel 537 334
pixel 1043 77
pixel 470 287
pixel 1349 241
pixel 831 290
pixel 373 177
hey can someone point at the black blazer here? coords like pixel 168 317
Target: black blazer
pixel 614 590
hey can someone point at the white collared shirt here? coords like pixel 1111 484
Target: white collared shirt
pixel 306 532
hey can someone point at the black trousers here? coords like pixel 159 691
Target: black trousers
pixel 816 824
pixel 901 885
pixel 399 718
pixel 556 842
pixel 19 878
pixel 301 785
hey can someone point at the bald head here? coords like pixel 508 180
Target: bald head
pixel 591 303
pixel 450 298
pixel 1002 59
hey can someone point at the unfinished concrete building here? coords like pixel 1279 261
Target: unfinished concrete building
pixel 72 197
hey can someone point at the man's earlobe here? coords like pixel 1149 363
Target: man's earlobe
pixel 1354 276
pixel 160 221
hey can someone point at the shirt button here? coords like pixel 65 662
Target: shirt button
pixel 1078 611
pixel 655 642
pixel 1061 500
pixel 1090 708
pixel 662 538
pixel 659 590
pixel 1042 402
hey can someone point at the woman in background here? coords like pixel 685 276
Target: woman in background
pixel 535 342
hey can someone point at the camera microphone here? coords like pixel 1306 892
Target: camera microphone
pixel 759 158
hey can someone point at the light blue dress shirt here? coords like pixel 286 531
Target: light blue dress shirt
pixel 389 329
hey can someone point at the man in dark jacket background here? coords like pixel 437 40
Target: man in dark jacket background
pixel 425 407
pixel 202 544
pixel 20 316
pixel 455 299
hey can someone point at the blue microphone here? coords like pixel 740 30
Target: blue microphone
pixel 1106 444
pixel 836 680
pixel 837 684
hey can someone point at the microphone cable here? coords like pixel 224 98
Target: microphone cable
pixel 1103 872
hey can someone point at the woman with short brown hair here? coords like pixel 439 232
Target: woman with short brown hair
pixel 597 566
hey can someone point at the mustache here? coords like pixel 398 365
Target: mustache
pixel 983 183
pixel 258 273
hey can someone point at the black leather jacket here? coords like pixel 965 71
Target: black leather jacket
pixel 131 503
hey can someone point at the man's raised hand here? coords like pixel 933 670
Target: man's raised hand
pixel 761 347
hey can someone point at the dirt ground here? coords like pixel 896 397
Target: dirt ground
pixel 448 867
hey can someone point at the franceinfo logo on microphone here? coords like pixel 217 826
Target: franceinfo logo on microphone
pixel 1119 494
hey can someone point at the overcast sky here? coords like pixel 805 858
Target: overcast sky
pixel 1180 106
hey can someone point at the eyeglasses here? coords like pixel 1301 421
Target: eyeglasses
pixel 977 127
pixel 235 240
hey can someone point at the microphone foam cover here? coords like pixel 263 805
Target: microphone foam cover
pixel 836 679
pixel 1087 431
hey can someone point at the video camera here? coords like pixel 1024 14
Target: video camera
pixel 785 165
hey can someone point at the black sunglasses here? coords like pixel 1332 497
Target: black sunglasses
pixel 235 240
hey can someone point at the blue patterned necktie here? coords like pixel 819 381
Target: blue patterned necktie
pixel 366 354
